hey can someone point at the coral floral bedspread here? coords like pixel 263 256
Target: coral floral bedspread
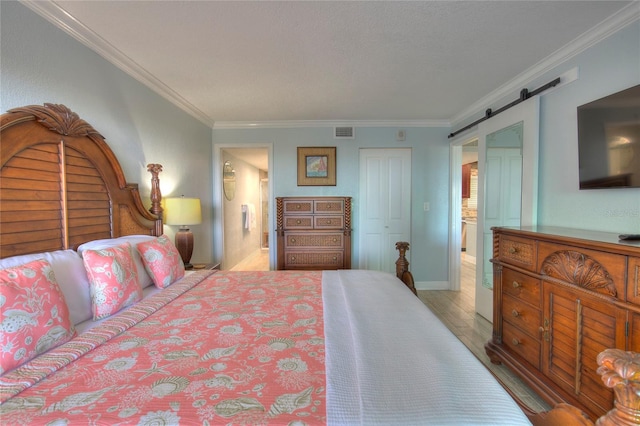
pixel 240 348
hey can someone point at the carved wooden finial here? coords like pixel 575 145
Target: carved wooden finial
pixel 60 119
pixel 402 266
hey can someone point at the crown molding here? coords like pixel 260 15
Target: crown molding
pixel 328 123
pixel 55 14
pixel 609 26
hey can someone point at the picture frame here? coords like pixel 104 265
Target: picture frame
pixel 317 166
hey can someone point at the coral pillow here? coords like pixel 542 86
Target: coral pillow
pixel 113 279
pixel 33 313
pixel 162 260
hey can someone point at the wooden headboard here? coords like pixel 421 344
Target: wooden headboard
pixel 61 185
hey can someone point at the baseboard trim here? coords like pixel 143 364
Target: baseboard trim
pixel 432 285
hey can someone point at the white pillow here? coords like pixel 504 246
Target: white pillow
pixel 71 276
pixel 143 277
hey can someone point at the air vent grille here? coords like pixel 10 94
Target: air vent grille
pixel 344 132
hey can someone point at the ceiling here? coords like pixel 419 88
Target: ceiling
pixel 240 63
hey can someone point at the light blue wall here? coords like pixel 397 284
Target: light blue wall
pixel 40 63
pixel 430 180
pixel 606 68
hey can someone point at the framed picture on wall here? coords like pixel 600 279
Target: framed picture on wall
pixel 317 166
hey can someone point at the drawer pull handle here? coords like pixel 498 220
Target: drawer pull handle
pixel 516 284
pixel 515 313
pixel 545 330
pixel 513 250
pixel 515 342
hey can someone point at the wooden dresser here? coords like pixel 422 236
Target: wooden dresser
pixel 562 296
pixel 313 232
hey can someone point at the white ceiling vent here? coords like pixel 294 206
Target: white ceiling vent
pixel 343 132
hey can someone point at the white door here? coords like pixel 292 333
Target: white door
pixel 385 206
pixel 507 185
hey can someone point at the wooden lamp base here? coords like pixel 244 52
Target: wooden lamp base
pixel 184 244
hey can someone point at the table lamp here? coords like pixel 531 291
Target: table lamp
pixel 183 212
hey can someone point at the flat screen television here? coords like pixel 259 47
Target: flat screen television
pixel 609 141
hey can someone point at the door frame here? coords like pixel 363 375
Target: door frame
pixel 455 205
pixel 218 211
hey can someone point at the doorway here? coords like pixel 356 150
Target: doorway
pixel 526 113
pixel 245 210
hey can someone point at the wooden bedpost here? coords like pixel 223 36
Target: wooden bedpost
pixel 156 195
pixel 402 266
pixel 620 371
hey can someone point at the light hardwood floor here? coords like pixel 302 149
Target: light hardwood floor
pixel 456 310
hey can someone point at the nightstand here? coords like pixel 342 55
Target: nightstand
pixel 209 266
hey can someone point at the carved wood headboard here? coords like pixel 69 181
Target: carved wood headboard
pixel 61 185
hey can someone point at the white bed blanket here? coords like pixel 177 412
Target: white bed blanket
pixel 405 362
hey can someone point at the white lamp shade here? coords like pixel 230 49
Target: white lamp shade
pixel 183 211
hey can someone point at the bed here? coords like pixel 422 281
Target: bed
pixel 161 346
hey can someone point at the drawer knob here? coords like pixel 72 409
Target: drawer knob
pixel 515 313
pixel 293 240
pixel 298 222
pixel 516 284
pixel 515 342
pixel 328 206
pixel 335 239
pixel 298 206
pixel 513 250
pixel 328 221
pixel 293 258
pixel 335 257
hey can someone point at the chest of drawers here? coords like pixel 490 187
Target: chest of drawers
pixel 562 296
pixel 313 232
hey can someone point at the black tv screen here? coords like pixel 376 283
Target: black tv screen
pixel 609 141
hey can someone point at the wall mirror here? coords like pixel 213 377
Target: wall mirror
pixel 229 181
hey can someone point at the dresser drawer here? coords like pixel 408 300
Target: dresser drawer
pixel 329 206
pixel 518 251
pixel 298 222
pixel 521 315
pixel 328 222
pixel 521 286
pixel 522 344
pixel 314 260
pixel 313 240
pixel 297 206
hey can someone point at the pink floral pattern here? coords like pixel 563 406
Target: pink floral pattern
pixel 33 313
pixel 113 279
pixel 239 348
pixel 162 261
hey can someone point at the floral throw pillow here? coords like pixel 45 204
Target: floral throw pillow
pixel 34 316
pixel 113 279
pixel 162 261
